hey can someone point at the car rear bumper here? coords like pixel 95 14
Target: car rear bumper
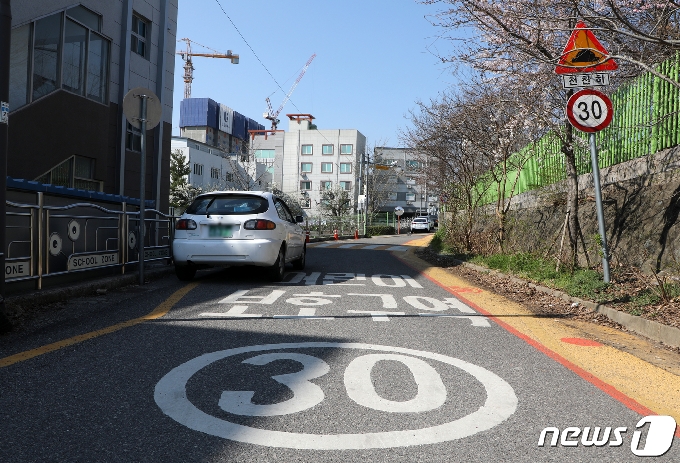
pixel 262 252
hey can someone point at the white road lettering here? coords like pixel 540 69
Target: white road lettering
pixel 236 311
pixel 310 280
pixel 457 304
pixel 305 394
pixel 426 303
pixel 340 278
pixel 313 298
pixel 396 279
pixel 239 296
pixel 413 283
pixel 431 390
pixel 388 301
pixel 376 315
pixel 171 397
pixel 308 313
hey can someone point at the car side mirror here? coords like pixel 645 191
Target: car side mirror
pixel 299 219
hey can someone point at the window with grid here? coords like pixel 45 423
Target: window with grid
pixel 140 35
pixel 306 167
pixel 346 149
pixel 214 172
pixel 410 196
pixel 326 167
pixel 327 149
pixel 133 138
pixel 347 186
pixel 198 169
pixel 345 167
pixel 326 185
pixel 306 149
pixel 305 185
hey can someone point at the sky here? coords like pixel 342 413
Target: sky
pixel 374 60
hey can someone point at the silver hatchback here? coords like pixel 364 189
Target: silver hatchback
pixel 234 228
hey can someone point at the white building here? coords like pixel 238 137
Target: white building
pixel 306 160
pixel 214 169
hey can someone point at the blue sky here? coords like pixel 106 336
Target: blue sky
pixel 373 60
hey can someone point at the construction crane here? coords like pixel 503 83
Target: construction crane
pixel 273 115
pixel 189 66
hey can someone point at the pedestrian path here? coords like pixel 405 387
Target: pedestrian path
pixel 342 245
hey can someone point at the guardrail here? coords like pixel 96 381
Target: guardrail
pixel 45 241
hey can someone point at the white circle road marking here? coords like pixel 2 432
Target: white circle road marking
pixel 171 396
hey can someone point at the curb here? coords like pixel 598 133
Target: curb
pixel 655 331
pixel 48 296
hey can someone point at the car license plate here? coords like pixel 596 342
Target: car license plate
pixel 220 231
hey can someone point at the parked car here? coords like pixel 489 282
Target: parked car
pixel 422 223
pixel 236 228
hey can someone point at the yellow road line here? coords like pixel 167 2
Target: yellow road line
pixel 158 312
pixel 612 370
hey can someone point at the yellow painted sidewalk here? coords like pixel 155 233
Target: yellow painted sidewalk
pixel 640 385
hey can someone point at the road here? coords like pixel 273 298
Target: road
pixel 367 355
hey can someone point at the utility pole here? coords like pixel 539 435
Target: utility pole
pixel 5 39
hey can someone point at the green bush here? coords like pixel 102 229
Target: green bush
pixel 375 230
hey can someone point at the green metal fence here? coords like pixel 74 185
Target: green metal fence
pixel 645 121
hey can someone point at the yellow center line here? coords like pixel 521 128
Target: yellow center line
pixel 158 312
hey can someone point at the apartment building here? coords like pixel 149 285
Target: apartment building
pixel 306 160
pixel 71 64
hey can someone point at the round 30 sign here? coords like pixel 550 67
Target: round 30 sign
pixel 172 397
pixel 589 110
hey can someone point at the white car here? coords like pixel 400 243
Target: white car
pixel 235 228
pixel 422 223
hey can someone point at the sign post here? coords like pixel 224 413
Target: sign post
pixel 584 63
pixel 142 108
pixel 398 211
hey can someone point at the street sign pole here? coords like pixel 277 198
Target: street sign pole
pixel 600 210
pixel 142 189
pixel 5 37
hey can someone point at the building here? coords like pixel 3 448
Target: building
pixel 306 160
pixel 71 64
pixel 407 182
pixel 215 124
pixel 215 169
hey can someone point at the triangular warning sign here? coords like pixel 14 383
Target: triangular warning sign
pixel 584 53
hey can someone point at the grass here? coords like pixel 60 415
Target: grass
pixel 581 283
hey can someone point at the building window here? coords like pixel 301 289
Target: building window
pixel 346 149
pixel 347 186
pixel 307 149
pixel 75 172
pixel 140 35
pixel 133 138
pixel 305 186
pixel 78 63
pixel 411 165
pixel 326 167
pixel 326 185
pixel 198 169
pixel 214 172
pixel 265 154
pixel 230 177
pixel 410 196
pixel 306 167
pixel 327 149
pixel 345 167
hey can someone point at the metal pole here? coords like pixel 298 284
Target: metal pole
pixel 142 190
pixel 598 203
pixel 364 162
pixel 5 38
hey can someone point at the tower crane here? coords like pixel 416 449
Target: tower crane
pixel 189 66
pixel 273 115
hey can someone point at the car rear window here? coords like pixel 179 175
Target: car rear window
pixel 420 220
pixel 228 205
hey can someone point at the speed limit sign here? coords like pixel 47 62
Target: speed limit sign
pixel 589 110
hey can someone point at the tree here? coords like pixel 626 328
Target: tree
pixel 247 174
pixel 182 193
pixel 336 203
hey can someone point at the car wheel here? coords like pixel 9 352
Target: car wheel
pixel 299 264
pixel 277 270
pixel 185 272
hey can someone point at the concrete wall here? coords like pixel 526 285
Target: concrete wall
pixel 641 202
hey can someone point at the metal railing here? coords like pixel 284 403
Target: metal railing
pixel 45 241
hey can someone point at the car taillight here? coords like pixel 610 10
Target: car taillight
pixel 259 224
pixel 185 224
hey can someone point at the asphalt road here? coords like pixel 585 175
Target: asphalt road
pixel 358 358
